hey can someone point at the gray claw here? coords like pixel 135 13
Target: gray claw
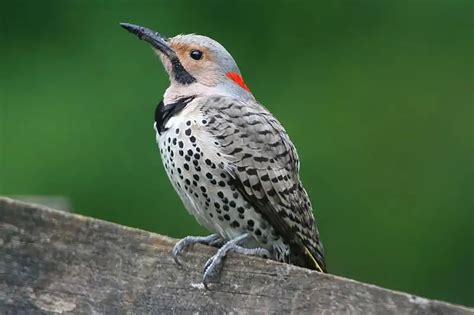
pixel 191 240
pixel 213 266
pixel 177 249
pixel 208 263
pixel 212 269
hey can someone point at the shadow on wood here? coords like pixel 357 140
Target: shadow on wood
pixel 55 262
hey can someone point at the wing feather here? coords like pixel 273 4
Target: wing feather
pixel 264 167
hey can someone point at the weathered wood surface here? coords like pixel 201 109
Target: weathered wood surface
pixel 55 262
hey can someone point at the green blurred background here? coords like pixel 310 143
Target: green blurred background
pixel 376 95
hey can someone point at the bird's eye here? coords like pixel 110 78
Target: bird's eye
pixel 196 54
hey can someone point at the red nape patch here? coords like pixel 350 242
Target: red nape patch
pixel 234 76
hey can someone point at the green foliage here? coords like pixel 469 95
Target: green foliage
pixel 376 95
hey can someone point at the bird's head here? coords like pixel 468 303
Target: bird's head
pixel 196 65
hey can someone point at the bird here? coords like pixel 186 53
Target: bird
pixel 229 159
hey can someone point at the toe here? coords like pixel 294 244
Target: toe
pixel 177 249
pixel 208 263
pixel 212 269
pixel 209 274
pixel 176 259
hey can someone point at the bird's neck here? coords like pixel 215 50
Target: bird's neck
pixel 179 91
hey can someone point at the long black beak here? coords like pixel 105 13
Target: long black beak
pixel 154 38
pixel 160 42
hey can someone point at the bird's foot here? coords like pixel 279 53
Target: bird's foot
pixel 213 266
pixel 211 240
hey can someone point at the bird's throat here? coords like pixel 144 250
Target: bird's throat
pixel 163 112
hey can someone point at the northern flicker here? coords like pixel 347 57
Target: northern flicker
pixel 229 159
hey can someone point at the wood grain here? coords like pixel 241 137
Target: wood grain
pixel 55 262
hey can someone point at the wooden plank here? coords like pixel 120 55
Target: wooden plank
pixel 56 262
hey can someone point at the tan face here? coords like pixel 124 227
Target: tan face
pixel 199 61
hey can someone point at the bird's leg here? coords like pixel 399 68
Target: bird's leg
pixel 213 266
pixel 211 240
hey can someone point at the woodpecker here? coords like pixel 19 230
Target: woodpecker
pixel 229 159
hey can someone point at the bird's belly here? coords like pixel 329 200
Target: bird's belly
pixel 180 173
pixel 202 183
pixel 200 186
